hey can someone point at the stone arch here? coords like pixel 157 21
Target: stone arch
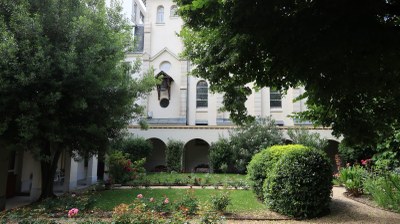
pixel 196 156
pixel 156 160
pixel 332 150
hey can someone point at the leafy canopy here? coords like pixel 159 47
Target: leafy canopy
pixel 61 76
pixel 63 83
pixel 345 54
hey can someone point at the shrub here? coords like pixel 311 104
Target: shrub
pixel 188 204
pixel 121 168
pixel 220 201
pixel 220 155
pixel 385 190
pixel 136 147
pixel 209 216
pixel 263 162
pixel 300 184
pixel 352 178
pixel 304 137
pixel 385 161
pixel 173 155
pixel 250 139
pixel 66 202
pixel 354 153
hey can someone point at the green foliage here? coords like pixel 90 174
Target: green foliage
pixel 173 155
pixel 264 162
pixel 220 201
pixel 235 153
pixel 211 217
pixel 220 155
pixel 304 137
pixel 386 161
pixel 251 138
pixel 185 179
pixel 122 170
pixel 64 83
pixel 233 53
pixel 136 147
pixel 188 204
pixel 142 210
pixel 354 153
pixel 385 190
pixel 63 203
pixel 300 184
pixel 352 178
pixel 388 155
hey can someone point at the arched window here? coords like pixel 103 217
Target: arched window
pixel 160 14
pixel 202 94
pixel 174 11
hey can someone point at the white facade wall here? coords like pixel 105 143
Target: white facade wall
pixel 162 44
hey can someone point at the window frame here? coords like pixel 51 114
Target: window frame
pixel 173 12
pixel 160 15
pixel 202 94
pixel 272 100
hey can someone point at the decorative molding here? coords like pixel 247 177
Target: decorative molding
pixel 162 51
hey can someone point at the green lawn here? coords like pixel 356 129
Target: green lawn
pixel 192 179
pixel 242 200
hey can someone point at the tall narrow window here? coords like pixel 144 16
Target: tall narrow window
pixel 275 98
pixel 174 11
pixel 160 14
pixel 202 94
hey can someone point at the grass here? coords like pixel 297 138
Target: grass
pixel 191 179
pixel 241 200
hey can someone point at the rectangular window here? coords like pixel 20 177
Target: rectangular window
pixel 275 99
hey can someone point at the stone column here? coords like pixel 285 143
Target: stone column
pixel 3 178
pixel 265 112
pixel 192 101
pixel 250 101
pixel 212 109
pixel 71 174
pixel 36 189
pixel 91 176
pixel 18 168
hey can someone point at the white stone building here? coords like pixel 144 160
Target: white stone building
pixel 182 108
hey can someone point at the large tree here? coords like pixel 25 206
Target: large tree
pixel 63 83
pixel 345 53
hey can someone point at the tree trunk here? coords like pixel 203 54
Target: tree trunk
pixel 48 167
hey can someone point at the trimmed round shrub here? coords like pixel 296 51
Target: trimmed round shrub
pixel 300 184
pixel 262 164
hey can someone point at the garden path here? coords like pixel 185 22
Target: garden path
pixel 344 210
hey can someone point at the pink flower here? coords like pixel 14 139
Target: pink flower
pixel 347 164
pixel 365 162
pixel 140 196
pixel 73 212
pixel 151 199
pixel 166 201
